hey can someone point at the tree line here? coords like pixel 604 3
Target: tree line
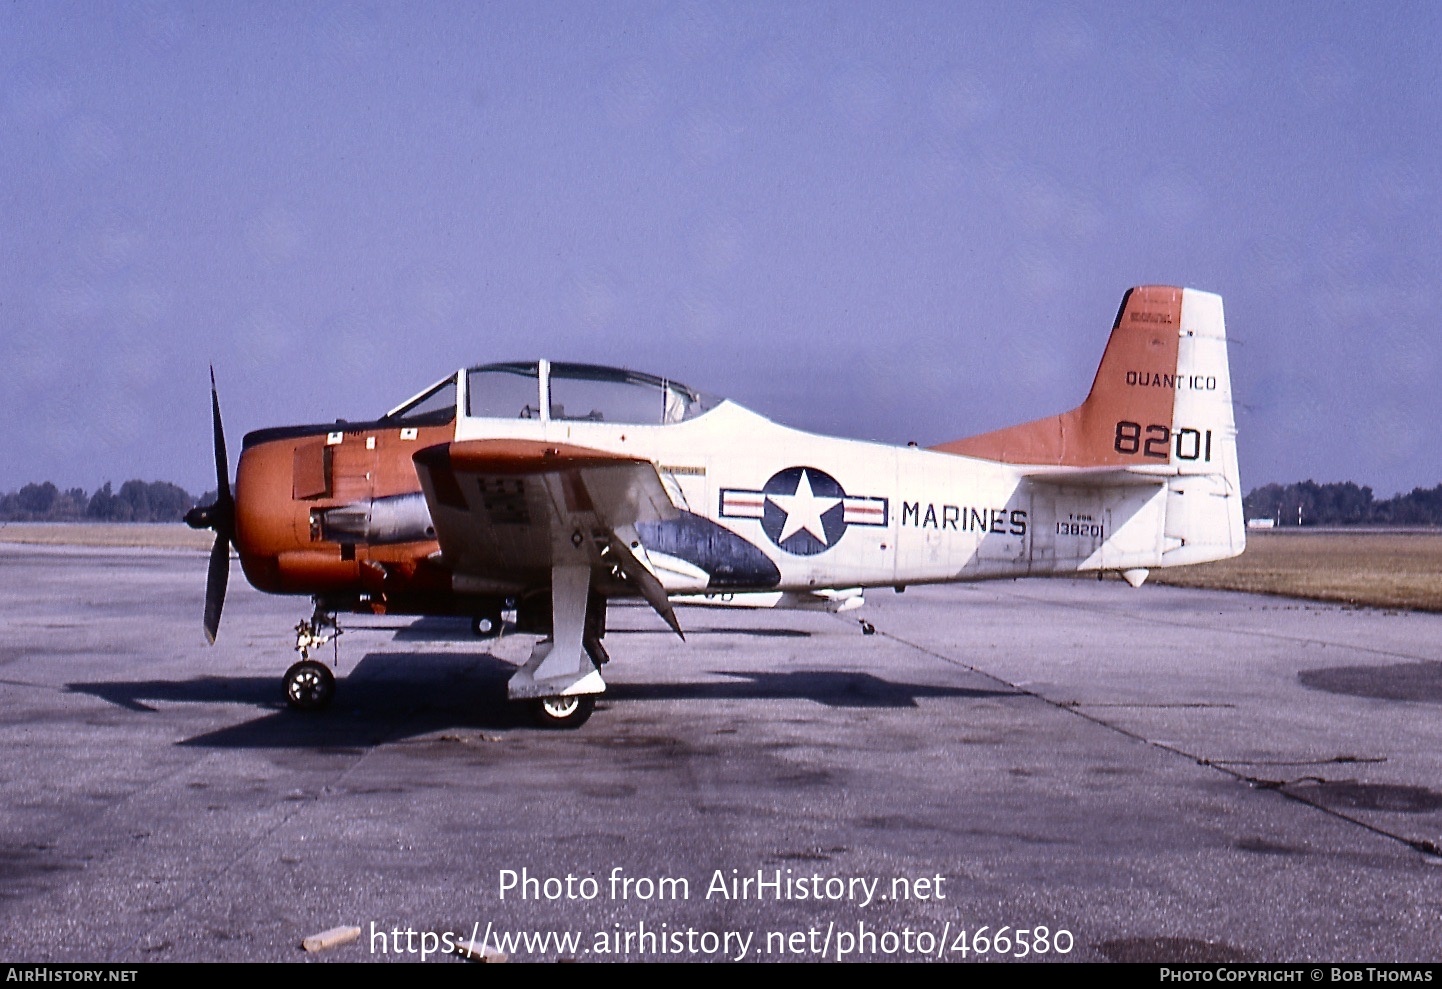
pixel 1310 503
pixel 136 501
pixel 1305 503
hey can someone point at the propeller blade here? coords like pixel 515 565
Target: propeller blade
pixel 221 518
pixel 215 582
pixel 223 496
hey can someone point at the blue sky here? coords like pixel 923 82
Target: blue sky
pixel 889 220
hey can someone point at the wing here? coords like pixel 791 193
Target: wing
pixel 507 512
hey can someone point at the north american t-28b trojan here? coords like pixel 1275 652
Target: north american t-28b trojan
pixel 551 488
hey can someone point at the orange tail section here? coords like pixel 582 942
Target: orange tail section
pixel 1126 419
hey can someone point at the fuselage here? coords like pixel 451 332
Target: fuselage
pixel 337 510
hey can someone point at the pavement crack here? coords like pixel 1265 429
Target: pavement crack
pixel 1422 846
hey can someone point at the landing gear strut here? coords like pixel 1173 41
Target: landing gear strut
pixel 310 685
pixel 561 666
pixel 315 631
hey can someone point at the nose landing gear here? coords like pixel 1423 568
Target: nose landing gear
pixel 310 685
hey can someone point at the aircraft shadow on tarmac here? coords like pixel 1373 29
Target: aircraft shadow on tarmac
pixel 834 688
pixel 755 633
pixel 389 696
pixel 453 630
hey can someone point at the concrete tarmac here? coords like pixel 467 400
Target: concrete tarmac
pixel 1148 775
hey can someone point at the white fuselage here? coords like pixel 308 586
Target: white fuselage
pixel 902 515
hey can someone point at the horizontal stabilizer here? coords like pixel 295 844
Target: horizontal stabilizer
pixel 1098 477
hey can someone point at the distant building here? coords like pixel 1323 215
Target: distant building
pixel 1261 523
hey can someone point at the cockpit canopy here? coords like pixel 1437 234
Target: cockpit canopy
pixel 559 392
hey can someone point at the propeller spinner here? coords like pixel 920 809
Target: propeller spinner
pixel 220 517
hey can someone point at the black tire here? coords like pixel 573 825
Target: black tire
pixel 563 712
pixel 487 626
pixel 309 686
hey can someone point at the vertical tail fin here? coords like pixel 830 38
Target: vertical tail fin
pixel 1136 383
pixel 1161 405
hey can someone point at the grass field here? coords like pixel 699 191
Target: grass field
pixel 1376 569
pixel 172 535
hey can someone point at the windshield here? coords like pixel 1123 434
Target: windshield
pixel 434 406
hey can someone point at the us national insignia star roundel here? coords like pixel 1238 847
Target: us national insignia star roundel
pixel 803 510
pixel 803 513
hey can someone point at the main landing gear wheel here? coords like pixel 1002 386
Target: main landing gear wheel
pixel 563 712
pixel 309 686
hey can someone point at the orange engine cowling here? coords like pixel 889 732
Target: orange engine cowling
pixel 335 511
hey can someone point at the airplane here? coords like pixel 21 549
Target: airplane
pixel 552 488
